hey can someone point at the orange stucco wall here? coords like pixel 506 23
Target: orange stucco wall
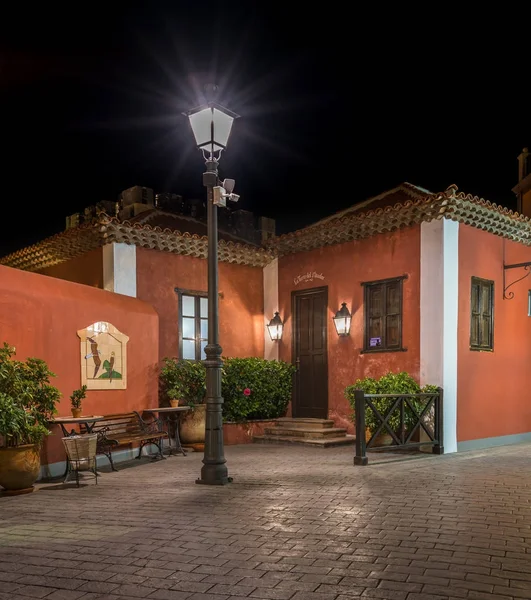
pixel 345 267
pixel 493 388
pixel 87 269
pixel 241 321
pixel 243 433
pixel 40 316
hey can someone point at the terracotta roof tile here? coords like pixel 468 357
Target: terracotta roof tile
pixel 377 215
pixel 364 221
pixel 398 195
pixel 175 222
pixel 104 230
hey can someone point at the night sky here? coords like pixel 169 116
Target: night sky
pixel 336 105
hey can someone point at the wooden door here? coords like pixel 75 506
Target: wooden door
pixel 310 311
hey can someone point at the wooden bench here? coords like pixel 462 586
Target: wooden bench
pixel 124 429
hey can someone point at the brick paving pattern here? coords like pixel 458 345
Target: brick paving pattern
pixel 297 524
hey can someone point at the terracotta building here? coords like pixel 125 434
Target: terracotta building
pixel 428 278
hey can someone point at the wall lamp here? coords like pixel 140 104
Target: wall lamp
pixel 275 328
pixel 342 320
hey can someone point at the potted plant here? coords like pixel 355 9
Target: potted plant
pixel 27 404
pixel 176 395
pixel 391 383
pixel 185 380
pixel 75 401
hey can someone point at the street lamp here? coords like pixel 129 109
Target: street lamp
pixel 211 125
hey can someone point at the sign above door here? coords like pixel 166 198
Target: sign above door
pixel 309 276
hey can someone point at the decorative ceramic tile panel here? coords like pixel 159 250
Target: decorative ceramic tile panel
pixel 103 357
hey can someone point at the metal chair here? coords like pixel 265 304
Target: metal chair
pixel 81 455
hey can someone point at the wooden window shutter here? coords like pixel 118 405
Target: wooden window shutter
pixel 375 302
pixel 482 314
pixel 383 315
pixel 393 311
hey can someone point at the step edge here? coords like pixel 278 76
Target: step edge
pixel 302 432
pixel 339 440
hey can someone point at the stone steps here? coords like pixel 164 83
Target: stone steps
pixel 302 441
pixel 304 423
pixel 311 433
pixel 319 433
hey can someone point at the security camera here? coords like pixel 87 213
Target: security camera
pixel 229 185
pixel 223 192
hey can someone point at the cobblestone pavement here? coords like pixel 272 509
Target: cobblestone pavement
pixel 296 524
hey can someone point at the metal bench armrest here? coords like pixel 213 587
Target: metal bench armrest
pixel 153 426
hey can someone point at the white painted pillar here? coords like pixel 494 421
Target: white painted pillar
pixel 439 288
pixel 270 272
pixel 119 269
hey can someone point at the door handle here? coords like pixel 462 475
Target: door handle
pixel 297 363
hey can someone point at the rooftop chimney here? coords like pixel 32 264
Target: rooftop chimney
pixel 524 164
pixel 523 188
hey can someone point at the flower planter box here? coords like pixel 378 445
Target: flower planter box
pixel 243 433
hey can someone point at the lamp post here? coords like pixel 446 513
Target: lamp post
pixel 211 125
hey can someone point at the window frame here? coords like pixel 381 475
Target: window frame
pixel 366 290
pixel 479 281
pixel 197 295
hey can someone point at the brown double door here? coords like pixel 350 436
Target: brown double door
pixel 310 310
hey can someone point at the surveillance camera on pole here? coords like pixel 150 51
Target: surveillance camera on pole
pixel 224 192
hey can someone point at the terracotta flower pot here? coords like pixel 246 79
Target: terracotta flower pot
pixel 192 426
pixel 384 439
pixel 174 403
pixel 19 467
pixel 76 412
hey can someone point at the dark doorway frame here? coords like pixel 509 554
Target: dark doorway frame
pixel 295 340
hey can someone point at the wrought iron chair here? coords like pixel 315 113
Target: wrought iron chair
pixel 81 455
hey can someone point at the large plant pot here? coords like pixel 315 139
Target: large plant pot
pixel 19 468
pixel 192 427
pixel 384 439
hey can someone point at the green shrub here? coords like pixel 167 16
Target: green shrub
pixel 391 383
pixel 183 379
pixel 255 388
pixel 252 388
pixel 27 399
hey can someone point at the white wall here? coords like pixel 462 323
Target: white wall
pixel 439 280
pixel 119 269
pixel 270 272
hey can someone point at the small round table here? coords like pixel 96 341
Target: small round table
pixel 89 421
pixel 168 420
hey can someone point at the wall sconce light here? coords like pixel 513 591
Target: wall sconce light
pixel 342 320
pixel 275 327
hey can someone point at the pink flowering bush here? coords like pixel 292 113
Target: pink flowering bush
pixel 252 388
pixel 255 388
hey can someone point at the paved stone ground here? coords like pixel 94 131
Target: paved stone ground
pixel 297 524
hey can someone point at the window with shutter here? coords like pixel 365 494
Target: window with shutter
pixel 481 314
pixel 383 315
